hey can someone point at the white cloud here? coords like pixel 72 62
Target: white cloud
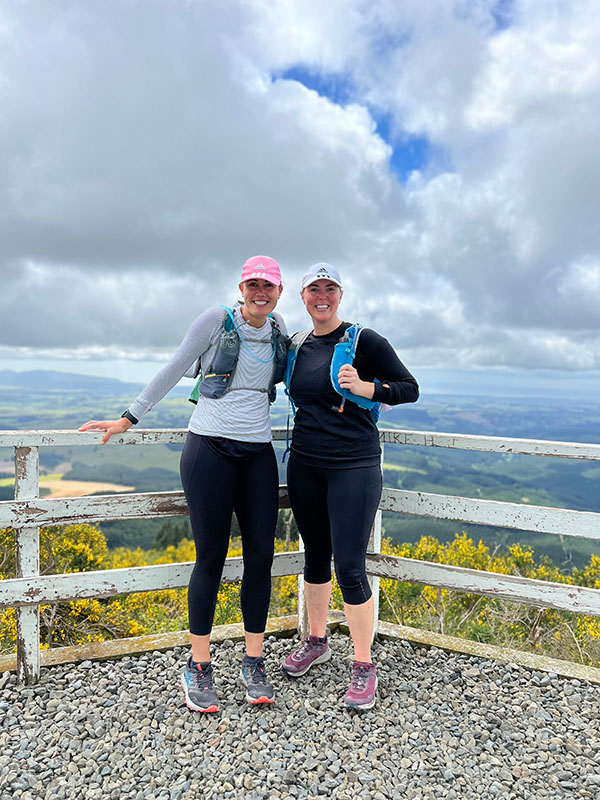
pixel 579 292
pixel 530 70
pixel 146 151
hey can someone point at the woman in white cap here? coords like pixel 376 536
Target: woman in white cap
pixel 334 472
pixel 227 464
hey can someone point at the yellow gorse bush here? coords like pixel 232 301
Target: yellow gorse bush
pixel 78 548
pixel 559 634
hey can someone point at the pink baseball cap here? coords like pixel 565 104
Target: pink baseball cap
pixel 262 267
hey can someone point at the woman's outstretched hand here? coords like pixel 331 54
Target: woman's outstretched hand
pixel 111 426
pixel 348 379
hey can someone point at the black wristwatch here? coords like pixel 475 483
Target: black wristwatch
pixel 128 415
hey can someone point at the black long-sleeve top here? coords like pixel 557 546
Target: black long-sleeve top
pixel 324 437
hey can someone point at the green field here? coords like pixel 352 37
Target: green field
pixel 512 478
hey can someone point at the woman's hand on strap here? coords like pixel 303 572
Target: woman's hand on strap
pixel 349 380
pixel 111 426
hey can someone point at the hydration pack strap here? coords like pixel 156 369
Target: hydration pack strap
pixel 298 340
pixel 274 331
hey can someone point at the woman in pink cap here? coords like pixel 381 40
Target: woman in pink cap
pixel 227 464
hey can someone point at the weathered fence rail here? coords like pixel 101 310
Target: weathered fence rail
pixel 27 512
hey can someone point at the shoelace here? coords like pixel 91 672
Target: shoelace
pixel 259 674
pixel 203 677
pixel 307 645
pixel 360 676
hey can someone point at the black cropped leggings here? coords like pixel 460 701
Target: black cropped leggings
pixel 215 485
pixel 334 510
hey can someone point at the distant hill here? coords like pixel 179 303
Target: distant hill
pixel 555 418
pixel 48 380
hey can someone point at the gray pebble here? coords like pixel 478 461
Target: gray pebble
pixel 446 726
pixel 289 776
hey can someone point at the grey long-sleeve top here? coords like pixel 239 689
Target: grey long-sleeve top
pixel 241 414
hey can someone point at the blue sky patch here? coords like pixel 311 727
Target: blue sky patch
pixel 409 153
pixel 502 12
pixel 333 85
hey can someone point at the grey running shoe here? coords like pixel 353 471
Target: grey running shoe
pixel 363 685
pixel 254 677
pixel 197 685
pixel 312 651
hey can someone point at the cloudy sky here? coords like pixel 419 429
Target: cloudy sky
pixel 442 153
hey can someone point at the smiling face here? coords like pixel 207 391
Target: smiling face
pixel 322 299
pixel 259 298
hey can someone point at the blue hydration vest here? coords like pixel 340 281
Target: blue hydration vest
pixel 343 353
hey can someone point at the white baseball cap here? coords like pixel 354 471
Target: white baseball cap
pixel 321 271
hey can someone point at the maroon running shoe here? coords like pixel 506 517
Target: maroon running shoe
pixel 363 685
pixel 313 651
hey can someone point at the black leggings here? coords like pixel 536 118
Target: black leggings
pixel 334 510
pixel 216 481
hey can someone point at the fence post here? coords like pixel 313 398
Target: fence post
pixel 302 610
pixel 374 546
pixel 28 564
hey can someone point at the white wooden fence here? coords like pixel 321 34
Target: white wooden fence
pixel 27 512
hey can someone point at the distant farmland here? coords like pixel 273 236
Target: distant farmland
pixel 55 486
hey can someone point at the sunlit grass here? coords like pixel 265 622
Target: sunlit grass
pixel 400 468
pixel 54 476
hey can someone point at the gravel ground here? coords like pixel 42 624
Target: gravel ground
pixel 446 726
